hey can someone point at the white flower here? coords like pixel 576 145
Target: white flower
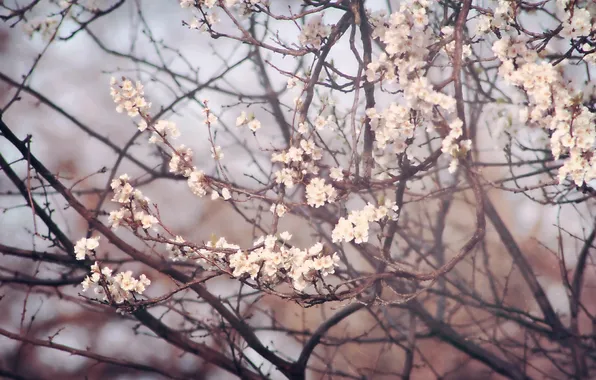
pixel 196 182
pixel 216 152
pixel 181 161
pixel 314 31
pixel 163 130
pixel 83 246
pixel 320 123
pixel 126 281
pixel 285 176
pixel 254 125
pixel 142 283
pixel 142 125
pixel 483 24
pixel 241 120
pixel 343 231
pixel 336 174
pixel 278 209
pixel 147 221
pixel 225 193
pixel 211 119
pixel 129 98
pixel 317 193
pixel 302 128
pixel 87 282
pixel 120 286
pixel 285 236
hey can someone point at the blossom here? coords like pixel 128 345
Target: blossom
pixel 142 125
pixel 286 177
pixel 211 118
pixel 196 183
pixel 216 152
pixel 483 24
pixel 314 32
pixel 163 130
pixel 177 251
pixel 580 24
pixel 142 284
pixel 120 287
pixel 241 120
pixel 551 107
pixel 302 128
pixel 317 193
pixel 129 97
pixel 181 161
pixel 84 246
pixel 278 209
pixel 116 217
pixel 336 174
pixel 254 125
pixel 343 231
pixel 320 123
pixel 356 225
pixel 273 262
pixel 146 220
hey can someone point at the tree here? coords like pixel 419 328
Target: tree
pixel 298 189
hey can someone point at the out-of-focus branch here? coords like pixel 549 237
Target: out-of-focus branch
pixel 447 334
pixel 518 257
pixel 39 212
pixel 311 344
pixel 204 352
pixel 88 354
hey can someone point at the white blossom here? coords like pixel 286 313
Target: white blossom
pixel 84 246
pixel 121 287
pixel 314 32
pixel 317 193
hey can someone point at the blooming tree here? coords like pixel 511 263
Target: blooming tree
pixel 356 148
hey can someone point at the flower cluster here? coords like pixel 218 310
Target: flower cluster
pixel 134 210
pixel 317 193
pixel 278 209
pixel 117 289
pixel 356 225
pixel 84 246
pixel 197 183
pixel 552 106
pixel 578 24
pixel 162 131
pixel 392 127
pixel 406 37
pixel 208 258
pixel 298 161
pixel 181 161
pixel 272 261
pixel 314 32
pixel 129 97
pixel 453 146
